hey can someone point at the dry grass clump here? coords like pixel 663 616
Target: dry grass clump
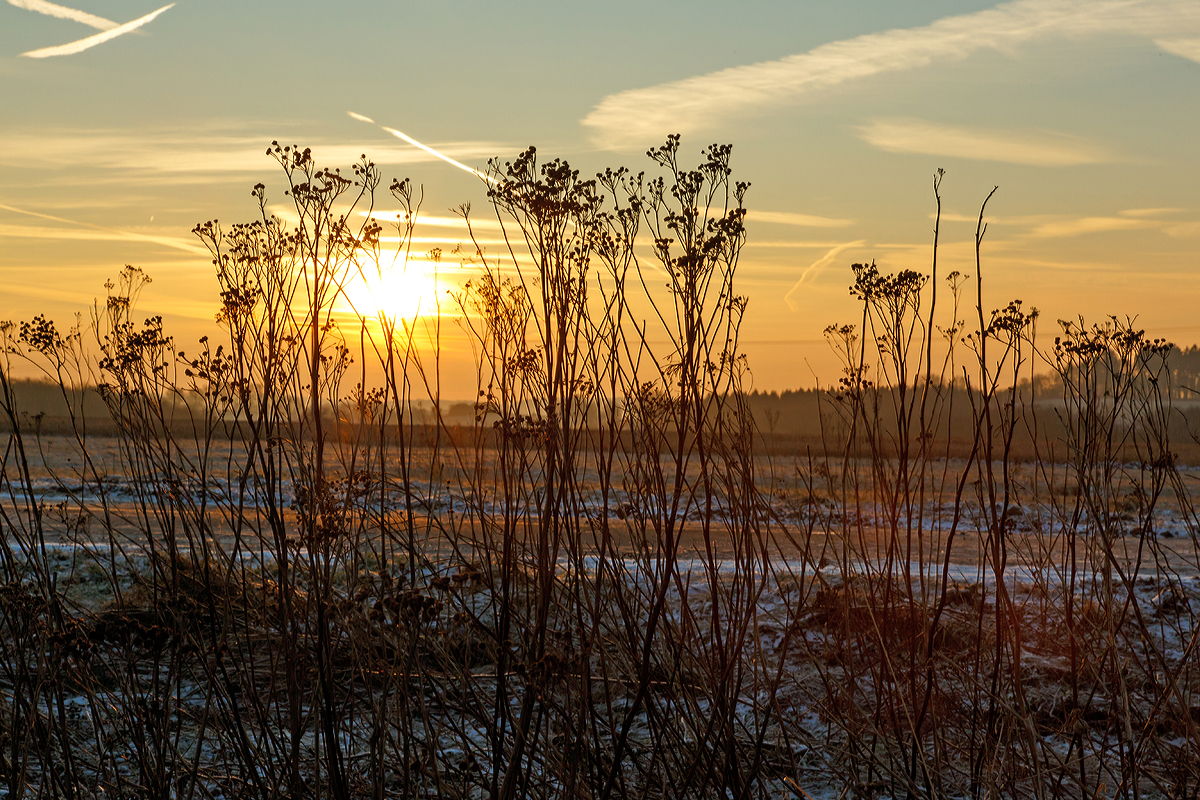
pixel 292 576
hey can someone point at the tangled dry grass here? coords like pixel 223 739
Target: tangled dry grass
pixel 283 579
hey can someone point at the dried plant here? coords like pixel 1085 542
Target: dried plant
pixel 289 574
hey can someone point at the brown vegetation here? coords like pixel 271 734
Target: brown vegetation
pixel 283 581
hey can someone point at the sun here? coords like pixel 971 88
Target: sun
pixel 405 291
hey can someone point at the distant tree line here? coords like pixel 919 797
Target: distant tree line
pixel 790 413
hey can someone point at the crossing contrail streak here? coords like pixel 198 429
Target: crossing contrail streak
pixel 116 232
pixel 100 38
pixel 405 137
pixel 813 268
pixel 62 12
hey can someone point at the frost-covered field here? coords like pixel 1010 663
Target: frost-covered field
pixel 171 676
pixel 826 497
pixel 129 676
pixel 161 640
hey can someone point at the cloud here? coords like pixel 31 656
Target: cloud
pixel 802 220
pixel 1050 226
pixel 1012 147
pixel 197 154
pixel 447 239
pixel 1184 48
pixel 793 244
pixel 1182 230
pixel 389 215
pixel 80 45
pixel 1075 227
pixel 97 235
pixel 639 117
pixel 1026 219
pixel 37 289
pixel 1149 212
pixel 88 231
pixel 811 271
pixel 62 12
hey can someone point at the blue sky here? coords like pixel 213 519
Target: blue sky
pixel 1083 113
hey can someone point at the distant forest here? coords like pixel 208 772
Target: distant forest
pixel 806 413
pixel 803 414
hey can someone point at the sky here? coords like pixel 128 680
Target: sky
pixel 124 123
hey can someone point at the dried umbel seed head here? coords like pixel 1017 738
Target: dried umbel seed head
pixel 547 670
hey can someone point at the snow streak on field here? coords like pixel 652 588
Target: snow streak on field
pixel 817 647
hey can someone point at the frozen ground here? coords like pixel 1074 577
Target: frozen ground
pixel 830 629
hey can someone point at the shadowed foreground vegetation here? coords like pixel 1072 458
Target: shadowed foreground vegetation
pixel 285 577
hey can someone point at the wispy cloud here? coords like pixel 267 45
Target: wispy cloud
pixel 1149 212
pixel 639 117
pixel 97 235
pixel 78 46
pixel 62 12
pixel 1054 226
pixel 388 215
pixel 801 220
pixel 89 231
pixel 197 154
pixel 1188 48
pixel 789 244
pixel 1182 230
pixel 1025 220
pixel 1076 227
pixel 447 239
pixel 1012 147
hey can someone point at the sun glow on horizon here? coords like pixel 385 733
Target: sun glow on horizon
pixel 406 290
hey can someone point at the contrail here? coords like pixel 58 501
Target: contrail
pixel 812 269
pixel 62 12
pixel 139 237
pixel 405 137
pixel 83 44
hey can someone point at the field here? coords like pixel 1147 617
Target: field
pixel 287 576
pixel 827 603
pixel 800 494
